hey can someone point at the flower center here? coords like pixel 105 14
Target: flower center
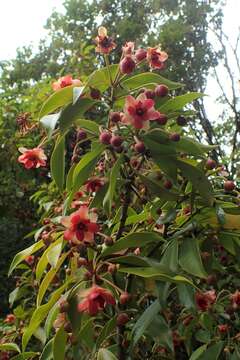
pixel 81 226
pixel 106 42
pixel 140 111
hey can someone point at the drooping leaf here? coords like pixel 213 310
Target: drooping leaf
pixel 9 347
pixel 190 259
pixel 57 162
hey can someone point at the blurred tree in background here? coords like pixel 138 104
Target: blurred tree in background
pixel 181 27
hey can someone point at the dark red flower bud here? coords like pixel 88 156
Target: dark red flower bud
pixel 81 135
pixel 122 319
pixel 95 94
pixel 167 184
pixel 108 241
pixel 124 298
pixel 174 137
pixel 115 116
pixel 210 164
pixel 119 149
pixel 150 94
pixel 229 185
pixel 140 54
pixel 139 147
pixel 112 268
pixel 181 120
pixel 162 120
pixel 116 140
pixel 161 90
pixel 105 137
pixel 82 261
pixel 127 65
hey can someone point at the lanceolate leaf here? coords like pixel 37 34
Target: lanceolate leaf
pixel 88 125
pixel 144 321
pixel 23 254
pixel 58 162
pixel 47 353
pixel 190 259
pixel 40 314
pixel 106 331
pixel 9 347
pixel 59 344
pixel 85 167
pixel 99 79
pixel 104 354
pixel 178 102
pixel 112 183
pixel 132 240
pixel 157 190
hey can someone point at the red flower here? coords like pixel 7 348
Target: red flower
pixel 64 81
pixel 235 299
pixel 223 328
pixel 10 319
pixel 104 43
pixel 94 184
pixel 32 158
pixel 138 112
pixel 156 57
pixel 30 260
pixel 205 299
pixel 81 226
pixel 95 300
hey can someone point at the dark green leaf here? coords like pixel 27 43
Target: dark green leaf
pixel 59 344
pixel 157 190
pixel 190 259
pixel 57 162
pixel 57 100
pixel 107 201
pixel 170 256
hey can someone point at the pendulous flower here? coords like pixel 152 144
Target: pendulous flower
pixel 139 111
pixel 81 226
pixel 95 299
pixel 32 158
pixel 205 300
pixel 156 58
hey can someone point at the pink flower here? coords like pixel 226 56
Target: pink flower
pixel 81 226
pixel 32 158
pixel 235 299
pixel 94 184
pixel 128 48
pixel 205 299
pixel 139 111
pixel 156 57
pixel 223 328
pixel 95 300
pixel 104 43
pixel 65 81
pixel 10 319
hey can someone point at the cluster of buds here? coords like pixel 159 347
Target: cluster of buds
pixel 23 121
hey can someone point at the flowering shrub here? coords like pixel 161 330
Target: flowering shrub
pixel 137 253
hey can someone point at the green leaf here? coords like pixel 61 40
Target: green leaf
pixel 107 201
pixel 51 317
pixel 70 177
pixel 9 347
pixel 19 257
pixel 48 279
pixel 186 296
pixel 59 344
pixel 213 352
pixel 155 274
pixel 97 201
pixel 197 353
pixel 178 102
pixel 190 259
pixel 49 122
pixel 85 166
pixel 170 256
pixel 220 214
pixel 54 253
pixel 159 330
pixel 198 179
pixel 40 314
pixel 47 353
pixel 170 216
pixel 86 334
pixel 144 321
pixel 57 100
pixel 132 240
pixel 106 331
pixel 104 354
pixel 88 125
pixel 158 190
pixel 99 79
pixel 25 355
pixel 144 79
pixel 57 162
pixel 74 112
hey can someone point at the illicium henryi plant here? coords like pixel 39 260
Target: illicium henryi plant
pixel 139 229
